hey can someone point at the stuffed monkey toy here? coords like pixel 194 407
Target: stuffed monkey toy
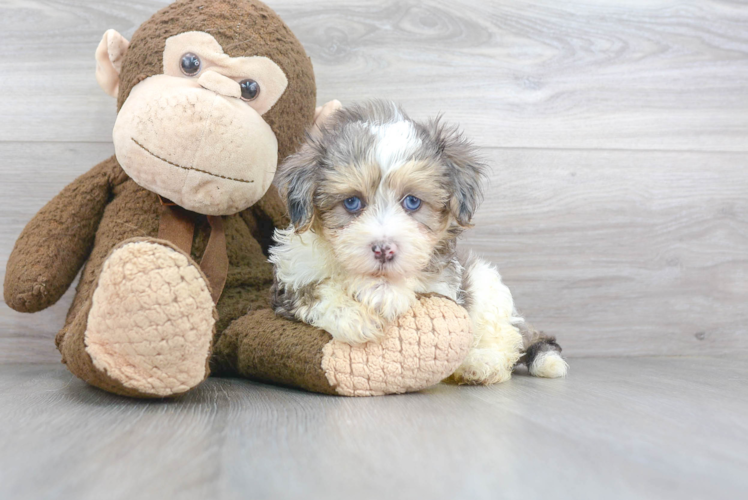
pixel 172 232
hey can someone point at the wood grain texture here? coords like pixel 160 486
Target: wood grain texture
pixel 616 211
pixel 617 132
pixel 622 252
pixel 656 428
pixel 615 252
pixel 656 74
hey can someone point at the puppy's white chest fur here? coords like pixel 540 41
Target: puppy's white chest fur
pixel 314 288
pixel 306 260
pixel 389 299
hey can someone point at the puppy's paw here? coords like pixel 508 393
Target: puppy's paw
pixel 390 310
pixel 484 367
pixel 549 364
pixel 388 300
pixel 354 325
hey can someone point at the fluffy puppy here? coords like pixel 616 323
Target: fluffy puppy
pixel 377 202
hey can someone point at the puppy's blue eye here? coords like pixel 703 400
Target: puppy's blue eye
pixel 353 204
pixel 411 203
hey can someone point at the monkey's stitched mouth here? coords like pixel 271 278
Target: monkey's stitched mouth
pixel 188 168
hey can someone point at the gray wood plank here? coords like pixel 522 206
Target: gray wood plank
pixel 660 74
pixel 615 428
pixel 615 252
pixel 620 252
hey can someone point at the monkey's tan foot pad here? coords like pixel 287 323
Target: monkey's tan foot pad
pixel 152 319
pixel 424 346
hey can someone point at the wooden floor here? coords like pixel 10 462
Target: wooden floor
pixel 617 133
pixel 634 428
pixel 617 211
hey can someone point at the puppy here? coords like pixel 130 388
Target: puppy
pixel 376 202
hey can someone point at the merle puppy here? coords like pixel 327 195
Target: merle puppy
pixel 377 202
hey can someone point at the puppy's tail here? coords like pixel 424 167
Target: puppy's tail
pixel 542 354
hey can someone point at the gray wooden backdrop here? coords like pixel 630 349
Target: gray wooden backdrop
pixel 617 132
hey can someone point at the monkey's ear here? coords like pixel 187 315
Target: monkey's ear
pixel 322 114
pixel 466 170
pixel 109 55
pixel 297 182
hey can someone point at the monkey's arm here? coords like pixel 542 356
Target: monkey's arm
pixel 56 242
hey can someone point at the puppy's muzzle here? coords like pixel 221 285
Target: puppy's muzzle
pixel 384 252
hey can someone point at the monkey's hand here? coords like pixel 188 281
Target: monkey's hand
pixel 57 241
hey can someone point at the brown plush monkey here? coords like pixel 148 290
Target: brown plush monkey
pixel 172 232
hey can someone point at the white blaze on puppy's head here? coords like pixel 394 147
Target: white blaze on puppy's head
pixel 396 142
pixel 383 193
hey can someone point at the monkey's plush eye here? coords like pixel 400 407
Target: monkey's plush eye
pixel 411 203
pixel 250 89
pixel 353 204
pixel 190 64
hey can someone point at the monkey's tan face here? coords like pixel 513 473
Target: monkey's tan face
pixel 195 134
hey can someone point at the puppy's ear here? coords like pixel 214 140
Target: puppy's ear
pixel 297 182
pixel 323 115
pixel 466 170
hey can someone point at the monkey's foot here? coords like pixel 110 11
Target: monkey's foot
pixel 152 319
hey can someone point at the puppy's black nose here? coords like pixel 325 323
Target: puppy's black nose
pixel 384 252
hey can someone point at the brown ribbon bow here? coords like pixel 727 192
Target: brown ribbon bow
pixel 177 226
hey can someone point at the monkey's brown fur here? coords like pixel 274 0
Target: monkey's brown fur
pixel 104 207
pixel 243 28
